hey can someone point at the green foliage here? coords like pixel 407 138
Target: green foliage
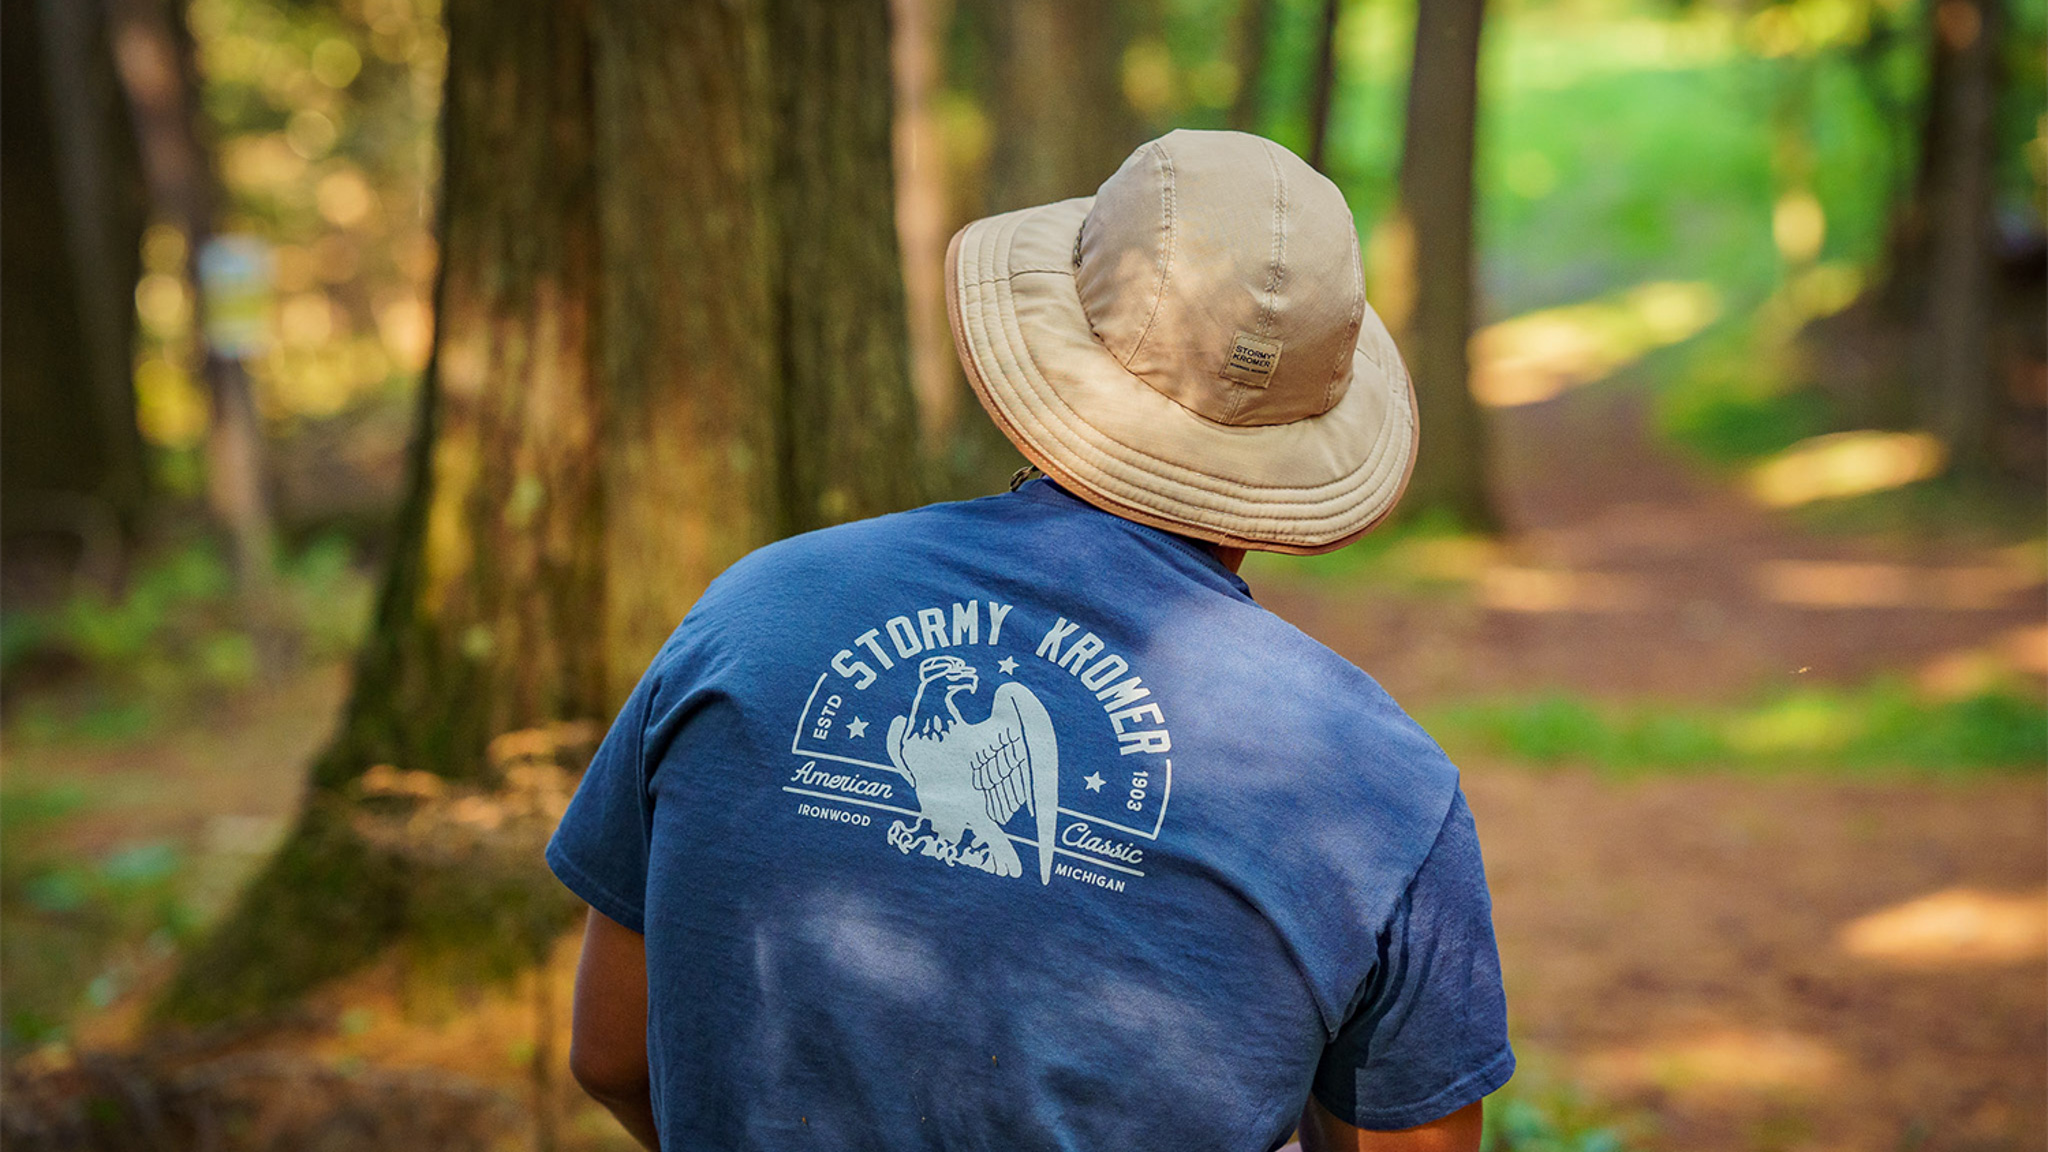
pixel 1399 553
pixel 1946 508
pixel 1730 401
pixel 180 634
pixel 73 929
pixel 1585 187
pixel 1552 1123
pixel 1735 425
pixel 327 597
pixel 1881 726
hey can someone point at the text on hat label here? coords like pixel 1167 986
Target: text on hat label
pixel 1252 360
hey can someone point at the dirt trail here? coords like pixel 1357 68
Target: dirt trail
pixel 1690 948
pixel 1625 574
pixel 1695 951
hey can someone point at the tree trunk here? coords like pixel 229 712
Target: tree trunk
pixel 1910 241
pixel 1254 20
pixel 71 233
pixel 1061 123
pixel 484 623
pixel 1434 238
pixel 843 449
pixel 670 330
pixel 923 221
pixel 1325 89
pixel 685 156
pixel 1958 390
pixel 154 52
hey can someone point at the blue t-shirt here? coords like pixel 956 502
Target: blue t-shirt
pixel 1012 824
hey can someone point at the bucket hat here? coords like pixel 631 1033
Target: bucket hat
pixel 1191 347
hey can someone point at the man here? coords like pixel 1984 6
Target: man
pixel 1016 823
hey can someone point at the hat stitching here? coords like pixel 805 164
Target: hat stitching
pixel 1275 260
pixel 1279 253
pixel 1082 433
pixel 1166 195
pixel 1357 319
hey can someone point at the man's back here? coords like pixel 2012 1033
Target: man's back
pixel 1015 824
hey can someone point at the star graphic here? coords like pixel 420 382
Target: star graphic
pixel 857 728
pixel 1008 665
pixel 1094 781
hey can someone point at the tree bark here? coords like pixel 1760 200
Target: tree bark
pixel 670 330
pixel 1435 221
pixel 844 454
pixel 154 52
pixel 684 155
pixel 73 458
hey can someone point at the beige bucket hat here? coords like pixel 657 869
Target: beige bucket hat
pixel 1191 347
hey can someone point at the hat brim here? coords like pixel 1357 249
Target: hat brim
pixel 1071 408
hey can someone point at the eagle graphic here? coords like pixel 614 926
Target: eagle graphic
pixel 977 775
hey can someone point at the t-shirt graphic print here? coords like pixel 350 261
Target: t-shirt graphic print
pixel 929 720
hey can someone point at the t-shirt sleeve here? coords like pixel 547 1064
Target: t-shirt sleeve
pixel 599 850
pixel 1429 1033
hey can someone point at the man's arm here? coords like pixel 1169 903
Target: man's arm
pixel 1458 1132
pixel 608 1039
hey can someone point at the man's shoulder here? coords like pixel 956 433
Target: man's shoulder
pixel 858 541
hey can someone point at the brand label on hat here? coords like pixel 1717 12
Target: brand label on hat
pixel 1252 360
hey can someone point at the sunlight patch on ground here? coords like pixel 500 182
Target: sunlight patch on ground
pixel 1964 672
pixel 1844 464
pixel 1510 589
pixel 2027 648
pixel 1456 558
pixel 1719 1062
pixel 1541 355
pixel 1856 584
pixel 1956 926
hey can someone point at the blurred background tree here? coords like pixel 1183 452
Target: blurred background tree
pixel 1427 288
pixel 1947 240
pixel 76 478
pixel 649 360
pixel 153 50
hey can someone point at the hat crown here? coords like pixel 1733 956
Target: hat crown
pixel 1223 271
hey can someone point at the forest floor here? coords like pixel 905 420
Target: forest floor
pixel 1714 960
